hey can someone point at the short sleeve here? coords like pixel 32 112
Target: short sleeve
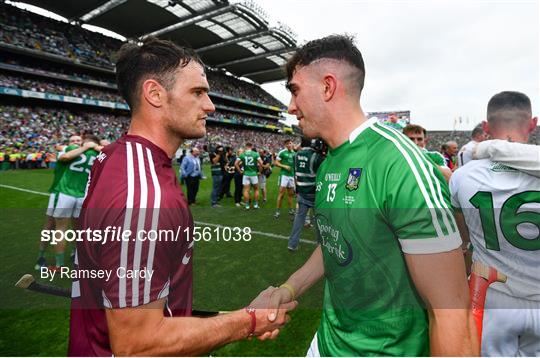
pixel 438 159
pixel 418 206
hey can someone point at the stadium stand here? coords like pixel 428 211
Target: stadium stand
pixel 46 66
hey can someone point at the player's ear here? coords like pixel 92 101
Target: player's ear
pixel 485 127
pixel 330 85
pixel 533 124
pixel 153 93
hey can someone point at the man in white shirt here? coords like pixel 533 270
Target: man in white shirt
pixel 465 153
pixel 501 209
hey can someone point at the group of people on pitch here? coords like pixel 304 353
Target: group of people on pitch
pixel 392 233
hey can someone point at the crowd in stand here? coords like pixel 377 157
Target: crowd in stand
pixel 88 92
pixel 222 83
pixel 30 130
pixel 25 29
pixel 59 87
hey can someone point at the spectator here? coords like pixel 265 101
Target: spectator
pixel 191 172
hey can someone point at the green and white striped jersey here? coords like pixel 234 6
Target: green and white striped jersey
pixel 377 197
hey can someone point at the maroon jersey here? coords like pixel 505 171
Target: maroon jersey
pixel 132 187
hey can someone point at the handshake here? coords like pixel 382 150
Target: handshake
pixel 269 311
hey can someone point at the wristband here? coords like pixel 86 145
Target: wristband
pixel 290 289
pixel 251 312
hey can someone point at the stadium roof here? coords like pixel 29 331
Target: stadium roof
pixel 235 37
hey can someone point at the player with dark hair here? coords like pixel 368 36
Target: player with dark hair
pixel 389 246
pixel 285 161
pixel 133 187
pixel 498 210
pixel 465 153
pixel 418 135
pixel 249 164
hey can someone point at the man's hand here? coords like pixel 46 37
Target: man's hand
pixel 90 145
pixel 278 297
pixel 266 328
pixel 287 168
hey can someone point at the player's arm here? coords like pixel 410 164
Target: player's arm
pixel 278 164
pixel 260 165
pixel 74 153
pixel 441 281
pixel 298 283
pixel 446 172
pixel 520 156
pixel 145 331
pixel 431 245
pixel 237 165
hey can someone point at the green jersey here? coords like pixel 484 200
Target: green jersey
pixel 75 177
pixel 250 159
pixel 59 168
pixel 286 157
pixel 377 197
pixel 436 157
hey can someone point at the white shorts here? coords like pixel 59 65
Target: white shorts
pixel 262 181
pixel 67 206
pixel 247 180
pixel 511 326
pixel 286 182
pixel 313 350
pixel 52 204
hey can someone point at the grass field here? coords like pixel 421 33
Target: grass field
pixel 228 275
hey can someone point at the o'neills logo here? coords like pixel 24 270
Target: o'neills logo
pixel 332 177
pixel 333 242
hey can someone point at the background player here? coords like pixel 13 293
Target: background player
pixel 71 188
pixel 418 135
pixel 74 142
pixel 285 161
pixel 501 209
pixel 249 163
pixel 465 153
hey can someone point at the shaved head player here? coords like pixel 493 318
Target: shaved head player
pixel 134 296
pixel 387 236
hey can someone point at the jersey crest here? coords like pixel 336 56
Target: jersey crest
pixel 354 179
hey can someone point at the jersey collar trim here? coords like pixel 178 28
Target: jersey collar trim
pixel 358 130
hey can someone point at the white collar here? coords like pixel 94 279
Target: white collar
pixel 356 132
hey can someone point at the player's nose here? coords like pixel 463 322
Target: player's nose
pixel 292 109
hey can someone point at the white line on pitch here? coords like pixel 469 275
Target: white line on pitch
pixel 262 233
pixel 25 190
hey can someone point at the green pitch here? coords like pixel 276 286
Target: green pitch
pixel 228 275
